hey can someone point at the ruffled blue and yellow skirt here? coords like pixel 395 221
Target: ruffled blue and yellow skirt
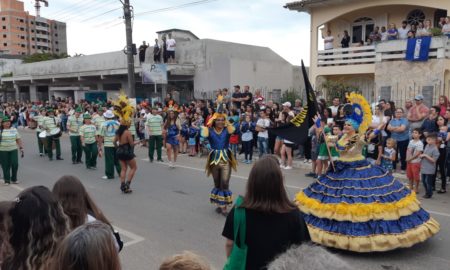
pixel 362 208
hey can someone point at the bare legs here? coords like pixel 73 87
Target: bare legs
pixel 125 185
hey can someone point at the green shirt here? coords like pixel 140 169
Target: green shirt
pixel 98 121
pixel 74 125
pixel 40 121
pixel 132 128
pixel 49 123
pixel 88 132
pixel 108 132
pixel 154 124
pixel 9 139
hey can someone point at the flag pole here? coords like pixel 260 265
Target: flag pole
pixel 328 149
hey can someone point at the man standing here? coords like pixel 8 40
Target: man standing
pixel 154 127
pixel 247 97
pixel 335 107
pixel 142 50
pixel 286 107
pixel 107 134
pixel 403 31
pixel 74 123
pixel 156 52
pixel 89 142
pixel 236 98
pixel 417 113
pixel 50 124
pixel 40 127
pixel 171 44
pixel 297 106
pixel 328 42
pixel 263 135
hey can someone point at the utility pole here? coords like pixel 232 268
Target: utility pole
pixel 127 11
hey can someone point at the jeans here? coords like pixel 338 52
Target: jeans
pixel 234 148
pixel 427 180
pixel 248 149
pixel 402 147
pixel 263 146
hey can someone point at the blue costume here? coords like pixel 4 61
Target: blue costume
pixel 172 133
pixel 361 207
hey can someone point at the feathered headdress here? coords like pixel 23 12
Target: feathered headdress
pixel 358 112
pixel 123 108
pixel 220 111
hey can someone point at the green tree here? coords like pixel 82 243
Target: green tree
pixel 337 89
pixel 39 57
pixel 290 95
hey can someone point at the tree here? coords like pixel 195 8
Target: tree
pixel 290 95
pixel 39 57
pixel 337 89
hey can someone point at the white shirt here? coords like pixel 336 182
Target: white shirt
pixel 384 36
pixel 265 123
pixel 334 110
pixel 446 28
pixel 328 42
pixel 403 33
pixel 413 148
pixel 171 43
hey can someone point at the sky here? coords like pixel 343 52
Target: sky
pixel 96 26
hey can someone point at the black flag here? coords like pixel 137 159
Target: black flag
pixel 297 130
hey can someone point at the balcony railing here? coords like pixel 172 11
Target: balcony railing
pixel 383 51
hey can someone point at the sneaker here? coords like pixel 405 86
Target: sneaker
pixel 16 182
pixel 105 177
pixel 244 161
pixel 426 196
pixel 311 174
pixel 305 161
pixel 41 154
pixel 402 172
pixel 6 184
pixel 288 168
pixel 59 158
pixel 160 160
pixel 249 161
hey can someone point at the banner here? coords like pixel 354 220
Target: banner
pixel 297 130
pixel 154 74
pixel 418 49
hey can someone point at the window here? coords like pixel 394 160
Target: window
pixel 57 50
pixel 23 45
pixel 22 37
pixel 32 31
pixel 56 42
pixel 4 36
pixel 21 20
pixel 22 29
pixel 415 16
pixel 32 39
pixel 32 47
pixel 32 22
pixel 5 44
pixel 3 19
pixel 56 35
pixel 361 29
pixel 4 27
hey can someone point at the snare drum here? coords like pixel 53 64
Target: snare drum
pixel 43 134
pixel 55 133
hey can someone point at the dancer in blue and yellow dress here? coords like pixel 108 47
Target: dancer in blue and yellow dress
pixel 358 206
pixel 220 160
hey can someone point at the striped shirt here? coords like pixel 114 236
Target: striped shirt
pixel 49 123
pixel 9 139
pixel 132 128
pixel 108 132
pixel 74 125
pixel 154 124
pixel 40 121
pixel 88 132
pixel 98 121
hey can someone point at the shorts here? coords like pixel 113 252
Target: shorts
pixel 171 54
pixel 413 171
pixel 291 145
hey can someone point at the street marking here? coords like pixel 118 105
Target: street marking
pixel 203 170
pixel 19 188
pixel 439 213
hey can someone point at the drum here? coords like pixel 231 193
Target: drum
pixel 55 133
pixel 43 134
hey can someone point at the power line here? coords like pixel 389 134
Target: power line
pixel 80 9
pixel 104 13
pixel 84 11
pixel 67 8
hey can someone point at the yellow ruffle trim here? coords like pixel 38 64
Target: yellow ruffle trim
pixel 358 212
pixel 372 243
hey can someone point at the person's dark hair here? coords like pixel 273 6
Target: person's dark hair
pixel 419 130
pixel 265 188
pixel 437 108
pixel 38 223
pixel 5 248
pixel 445 120
pixel 88 247
pixel 76 202
pixel 121 130
pixel 170 121
pixel 432 135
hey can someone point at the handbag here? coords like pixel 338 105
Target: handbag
pixel 238 256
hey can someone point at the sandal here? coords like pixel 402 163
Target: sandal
pixel 442 191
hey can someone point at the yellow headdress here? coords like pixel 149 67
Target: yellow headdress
pixel 220 111
pixel 360 115
pixel 123 108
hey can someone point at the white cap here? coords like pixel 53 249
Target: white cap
pixel 108 114
pixel 286 104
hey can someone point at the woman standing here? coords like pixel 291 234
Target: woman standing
pixel 273 223
pixel 399 128
pixel 443 105
pixel 10 140
pixel 88 133
pixel 441 123
pixel 173 128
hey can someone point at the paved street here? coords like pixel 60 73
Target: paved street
pixel 169 210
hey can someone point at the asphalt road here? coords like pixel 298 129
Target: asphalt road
pixel 169 210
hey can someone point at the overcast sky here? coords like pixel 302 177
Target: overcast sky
pixel 256 22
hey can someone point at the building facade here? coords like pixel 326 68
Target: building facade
pixel 378 70
pixel 25 34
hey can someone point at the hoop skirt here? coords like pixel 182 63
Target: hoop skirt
pixel 362 208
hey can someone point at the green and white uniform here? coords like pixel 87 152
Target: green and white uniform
pixel 98 121
pixel 50 124
pixel 88 132
pixel 40 123
pixel 108 132
pixel 9 156
pixel 74 123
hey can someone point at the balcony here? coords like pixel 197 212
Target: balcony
pixel 394 50
pixel 42 28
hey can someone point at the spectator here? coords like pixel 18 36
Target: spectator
pixel 411 34
pixel 273 222
pixel 389 155
pixel 417 113
pixel 154 126
pixel 142 50
pixel 37 225
pixel 236 98
pixel 375 35
pixel 408 106
pixel 339 119
pixel 428 164
pixel 345 40
pixel 429 125
pixel 419 30
pixel 441 123
pixel 263 135
pixel 403 31
pixel 328 43
pixel 157 52
pixel 374 148
pixel 247 97
pixel 399 129
pixel 446 27
pixel 79 206
pixel 335 107
pixel 171 44
pixel 443 105
pixel 308 257
pixel 88 247
pixel 297 106
pixel 442 22
pixel 384 34
pixel 392 32
pixel 247 127
pixel 185 261
pixel 415 149
pixel 424 30
pixel 164 48
pixel 286 151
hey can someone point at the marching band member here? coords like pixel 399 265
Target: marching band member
pixel 74 123
pixel 89 142
pixel 9 157
pixel 40 121
pixel 107 135
pixel 50 123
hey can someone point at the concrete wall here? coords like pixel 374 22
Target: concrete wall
pixel 7 65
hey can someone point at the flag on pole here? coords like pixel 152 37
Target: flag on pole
pixel 297 130
pixel 418 49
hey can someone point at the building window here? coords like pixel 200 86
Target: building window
pixel 57 50
pixel 23 45
pixel 56 35
pixel 4 36
pixel 21 20
pixel 361 29
pixel 32 31
pixel 3 19
pixel 32 22
pixel 4 27
pixel 22 37
pixel 22 29
pixel 5 44
pixel 32 39
pixel 415 16
pixel 32 47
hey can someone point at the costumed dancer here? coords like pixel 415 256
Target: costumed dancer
pixel 74 123
pixel 124 141
pixel 10 140
pixel 359 206
pixel 107 135
pixel 88 138
pixel 50 124
pixel 40 123
pixel 220 159
pixel 173 129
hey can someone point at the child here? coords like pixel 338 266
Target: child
pixel 286 151
pixel 193 134
pixel 314 151
pixel 374 147
pixel 389 154
pixel 415 149
pixel 247 129
pixel 428 164
pixel 324 156
pixel 234 138
pixel 184 133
